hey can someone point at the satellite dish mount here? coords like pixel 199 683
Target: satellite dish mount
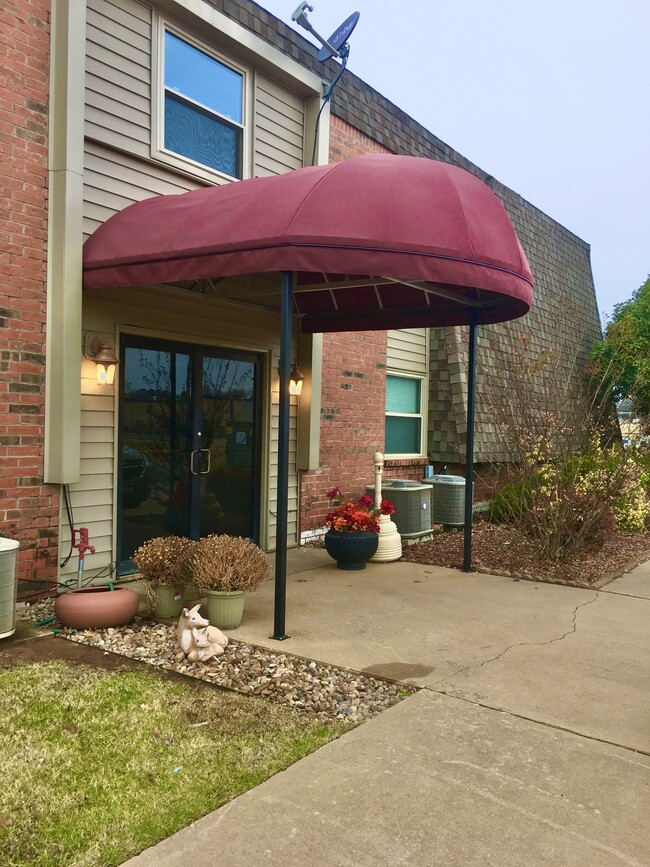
pixel 335 46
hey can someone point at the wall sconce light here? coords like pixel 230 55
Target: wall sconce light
pixel 296 379
pixel 105 359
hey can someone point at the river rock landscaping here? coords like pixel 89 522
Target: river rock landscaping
pixel 329 692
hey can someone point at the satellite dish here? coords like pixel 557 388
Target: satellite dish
pixel 335 46
pixel 338 38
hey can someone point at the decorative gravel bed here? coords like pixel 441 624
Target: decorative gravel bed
pixel 329 692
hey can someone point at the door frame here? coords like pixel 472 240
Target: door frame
pixel 197 349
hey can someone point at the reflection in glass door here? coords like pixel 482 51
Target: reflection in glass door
pixel 227 445
pixel 189 443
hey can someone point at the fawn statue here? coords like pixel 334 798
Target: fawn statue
pixel 191 621
pixel 204 647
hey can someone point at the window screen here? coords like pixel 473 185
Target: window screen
pixel 403 416
pixel 402 394
pixel 201 137
pixel 203 107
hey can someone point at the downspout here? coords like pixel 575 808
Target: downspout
pixel 64 241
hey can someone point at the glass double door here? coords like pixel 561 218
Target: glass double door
pixel 189 443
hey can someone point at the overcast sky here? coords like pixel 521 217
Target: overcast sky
pixel 552 99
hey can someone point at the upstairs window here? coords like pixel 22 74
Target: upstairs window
pixel 203 108
pixel 404 418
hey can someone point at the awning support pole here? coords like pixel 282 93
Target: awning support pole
pixel 469 454
pixel 282 509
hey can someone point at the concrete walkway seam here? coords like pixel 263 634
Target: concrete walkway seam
pixel 538 722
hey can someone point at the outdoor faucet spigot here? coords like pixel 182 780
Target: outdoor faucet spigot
pixel 80 542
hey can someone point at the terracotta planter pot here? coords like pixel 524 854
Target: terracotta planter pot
pixel 225 609
pixel 96 607
pixel 351 550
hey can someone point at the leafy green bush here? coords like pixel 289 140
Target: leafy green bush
pixel 640 454
pixel 512 502
pixel 618 477
pixel 569 506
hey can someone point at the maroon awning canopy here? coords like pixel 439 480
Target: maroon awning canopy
pixel 372 243
pixel 376 242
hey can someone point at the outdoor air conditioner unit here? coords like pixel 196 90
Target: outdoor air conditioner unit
pixel 412 501
pixel 8 586
pixel 447 499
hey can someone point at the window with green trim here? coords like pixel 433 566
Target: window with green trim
pixel 404 418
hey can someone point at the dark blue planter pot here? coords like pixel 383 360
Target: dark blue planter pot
pixel 351 550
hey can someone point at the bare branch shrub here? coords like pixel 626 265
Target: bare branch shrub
pixel 227 563
pixel 159 562
pixel 553 404
pixel 159 559
pixel 575 481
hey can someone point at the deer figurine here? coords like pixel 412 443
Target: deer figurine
pixel 204 647
pixel 190 620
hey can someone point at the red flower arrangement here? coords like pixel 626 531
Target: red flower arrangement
pixel 357 517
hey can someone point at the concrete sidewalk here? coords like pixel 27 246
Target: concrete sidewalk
pixel 528 744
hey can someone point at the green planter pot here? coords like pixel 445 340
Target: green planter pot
pixel 167 603
pixel 225 608
pixel 351 550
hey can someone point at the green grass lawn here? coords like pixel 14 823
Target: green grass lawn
pixel 99 765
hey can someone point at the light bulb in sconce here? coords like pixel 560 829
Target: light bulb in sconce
pixel 296 379
pixel 105 359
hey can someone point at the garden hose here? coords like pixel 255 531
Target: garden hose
pixel 45 622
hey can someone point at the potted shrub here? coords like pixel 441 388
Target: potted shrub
pixel 225 567
pixel 159 562
pixel 353 529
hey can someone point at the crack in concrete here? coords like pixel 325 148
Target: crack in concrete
pixel 571 631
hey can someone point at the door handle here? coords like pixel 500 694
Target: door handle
pixel 201 472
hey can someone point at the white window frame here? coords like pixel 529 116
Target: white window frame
pixel 171 158
pixel 422 415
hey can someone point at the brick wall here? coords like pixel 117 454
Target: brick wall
pixel 346 141
pixel 28 508
pixel 405 468
pixel 352 420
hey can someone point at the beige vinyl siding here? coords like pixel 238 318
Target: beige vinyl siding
pixel 92 496
pixel 279 128
pixel 118 171
pixel 119 82
pixel 407 351
pixel 118 75
pixel 114 180
pixel 181 316
pixel 273 463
